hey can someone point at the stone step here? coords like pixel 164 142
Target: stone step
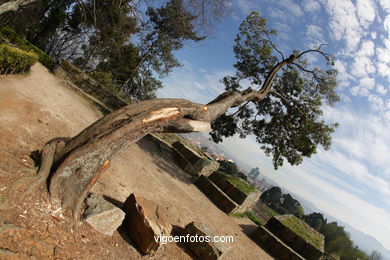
pixel 266 240
pixel 234 193
pixel 216 195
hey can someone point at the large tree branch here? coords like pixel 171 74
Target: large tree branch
pixel 283 98
pixel 317 50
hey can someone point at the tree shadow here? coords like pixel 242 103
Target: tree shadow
pixel 248 229
pixel 165 161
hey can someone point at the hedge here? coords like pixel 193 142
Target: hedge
pixel 8 35
pixel 14 60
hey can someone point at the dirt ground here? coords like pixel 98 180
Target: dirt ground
pixel 37 107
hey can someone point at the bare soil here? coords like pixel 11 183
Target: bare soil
pixel 37 107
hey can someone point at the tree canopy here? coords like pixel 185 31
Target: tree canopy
pixel 288 121
pixel 129 41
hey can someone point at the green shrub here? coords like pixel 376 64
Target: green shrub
pixel 250 215
pixel 8 35
pixel 13 60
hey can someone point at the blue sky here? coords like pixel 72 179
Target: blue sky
pixel 351 181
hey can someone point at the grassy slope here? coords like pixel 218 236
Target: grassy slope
pixel 303 230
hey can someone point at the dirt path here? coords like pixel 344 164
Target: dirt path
pixel 36 108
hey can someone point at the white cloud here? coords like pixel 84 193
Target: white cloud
pixel 385 4
pixel 366 12
pixel 383 70
pixel 366 85
pixel 362 66
pixel 200 87
pixel 277 13
pixel 314 34
pixel 367 48
pixel 344 78
pixel 292 7
pixel 362 136
pixel 377 103
pixel 284 30
pixel 311 6
pixel 344 23
pixel 383 55
pixel 245 6
pixel 386 24
pixel 381 90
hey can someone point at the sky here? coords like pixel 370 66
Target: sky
pixel 351 181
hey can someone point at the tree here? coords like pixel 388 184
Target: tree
pixel 118 37
pixel 315 220
pixel 292 206
pixel 228 167
pixel 284 114
pixel 288 120
pixel 272 196
pixel 375 255
pixel 166 30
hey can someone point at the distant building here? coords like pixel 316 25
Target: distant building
pixel 254 173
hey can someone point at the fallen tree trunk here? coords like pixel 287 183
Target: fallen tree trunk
pixel 78 165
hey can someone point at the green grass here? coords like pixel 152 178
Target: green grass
pixel 8 35
pixel 14 60
pixel 239 183
pixel 303 230
pixel 250 215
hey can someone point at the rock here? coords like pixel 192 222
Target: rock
pixel 204 250
pixel 102 215
pixel 145 221
pixel 192 162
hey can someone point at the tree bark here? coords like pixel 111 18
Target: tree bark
pixel 14 5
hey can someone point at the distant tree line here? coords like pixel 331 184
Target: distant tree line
pixel 126 45
pixel 231 168
pixel 337 240
pixel 282 203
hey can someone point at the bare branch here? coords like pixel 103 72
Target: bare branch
pixel 283 98
pixel 318 50
pixel 302 68
pixel 241 108
pixel 273 45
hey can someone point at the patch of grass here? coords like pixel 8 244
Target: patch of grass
pixel 250 215
pixel 303 230
pixel 14 60
pixel 254 218
pixel 8 35
pixel 239 183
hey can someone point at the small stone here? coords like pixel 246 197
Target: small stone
pixel 145 222
pixel 205 250
pixel 102 215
